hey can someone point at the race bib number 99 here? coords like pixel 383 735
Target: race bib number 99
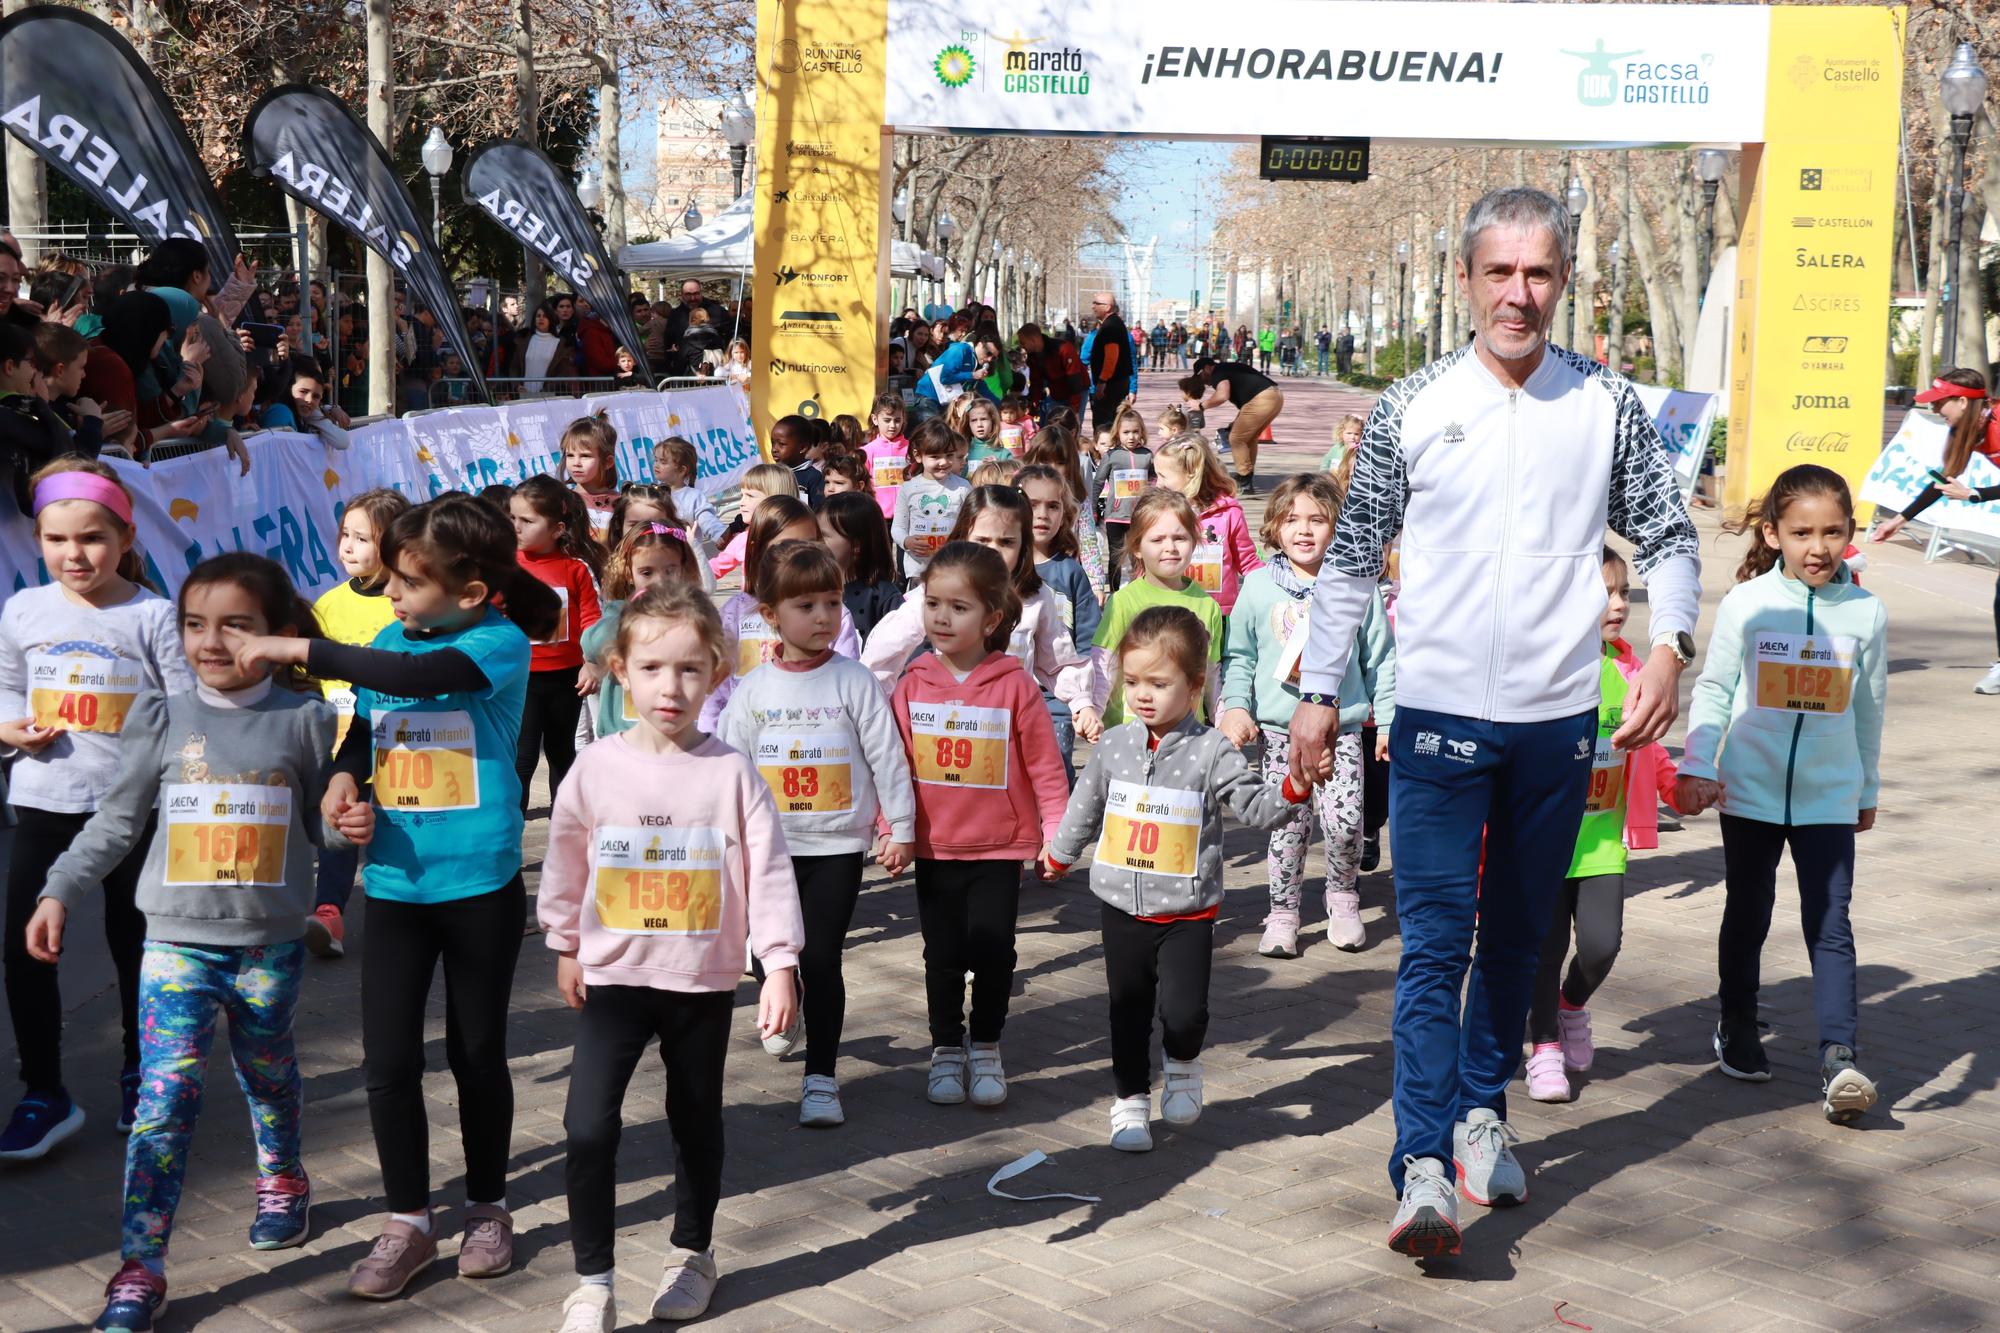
pixel 426 761
pixel 1154 829
pixel 1804 673
pixel 1607 778
pixel 659 881
pixel 954 745
pixel 82 692
pixel 808 772
pixel 226 834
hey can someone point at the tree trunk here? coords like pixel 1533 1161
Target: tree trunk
pixel 1972 350
pixel 1687 311
pixel 1659 303
pixel 528 99
pixel 381 282
pixel 609 116
pixel 1583 339
pixel 1927 325
pixel 1614 337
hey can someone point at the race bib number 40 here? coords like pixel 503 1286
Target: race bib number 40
pixel 955 745
pixel 226 834
pixel 1607 778
pixel 1154 829
pixel 808 772
pixel 82 692
pixel 659 881
pixel 1804 673
pixel 426 761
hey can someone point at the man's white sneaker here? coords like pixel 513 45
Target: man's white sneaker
pixel 589 1309
pixel 782 1044
pixel 947 1086
pixel 1426 1224
pixel 1487 1171
pixel 987 1083
pixel 1180 1100
pixel 819 1102
pixel 1130 1130
pixel 1990 682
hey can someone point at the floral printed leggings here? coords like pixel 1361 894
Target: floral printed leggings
pixel 1338 804
pixel 182 987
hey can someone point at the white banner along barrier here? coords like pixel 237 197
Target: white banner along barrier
pixel 1903 470
pixel 289 506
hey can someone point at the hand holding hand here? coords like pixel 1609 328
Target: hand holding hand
pixel 1089 724
pixel 894 857
pixel 569 980
pixel 1238 726
pixel 355 820
pixel 1694 795
pixel 341 791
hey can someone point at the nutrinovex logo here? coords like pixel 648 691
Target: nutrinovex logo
pixel 954 66
pixel 1613 78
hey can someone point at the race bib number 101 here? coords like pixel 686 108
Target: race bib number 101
pixel 955 745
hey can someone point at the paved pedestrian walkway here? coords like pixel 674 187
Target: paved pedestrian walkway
pixel 1664 1196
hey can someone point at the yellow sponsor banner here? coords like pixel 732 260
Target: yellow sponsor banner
pixel 1817 262
pixel 821 283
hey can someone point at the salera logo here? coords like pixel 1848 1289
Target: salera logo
pixel 954 66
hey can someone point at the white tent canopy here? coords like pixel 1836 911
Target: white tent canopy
pixel 724 247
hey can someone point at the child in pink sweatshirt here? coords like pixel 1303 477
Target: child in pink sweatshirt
pixel 990 794
pixel 665 851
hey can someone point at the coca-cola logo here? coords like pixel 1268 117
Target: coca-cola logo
pixel 1819 442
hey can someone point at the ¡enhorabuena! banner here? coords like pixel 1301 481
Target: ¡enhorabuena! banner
pixel 522 190
pixel 307 140
pixel 76 92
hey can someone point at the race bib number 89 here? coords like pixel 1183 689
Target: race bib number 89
pixel 1804 673
pixel 659 881
pixel 957 746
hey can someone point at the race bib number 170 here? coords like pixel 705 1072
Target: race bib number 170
pixel 426 761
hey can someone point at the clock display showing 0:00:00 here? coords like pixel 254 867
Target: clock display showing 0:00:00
pixel 1341 159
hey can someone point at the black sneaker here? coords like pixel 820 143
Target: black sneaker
pixel 1371 852
pixel 1741 1050
pixel 1845 1092
pixel 128 1100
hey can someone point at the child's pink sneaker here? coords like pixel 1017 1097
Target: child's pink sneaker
pixel 1546 1080
pixel 1578 1051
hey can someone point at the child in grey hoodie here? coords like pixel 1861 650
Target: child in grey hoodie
pixel 1153 798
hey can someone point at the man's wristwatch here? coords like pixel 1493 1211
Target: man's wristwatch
pixel 1682 644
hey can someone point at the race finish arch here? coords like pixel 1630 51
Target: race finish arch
pixel 1812 95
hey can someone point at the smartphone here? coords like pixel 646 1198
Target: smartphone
pixel 264 335
pixel 68 298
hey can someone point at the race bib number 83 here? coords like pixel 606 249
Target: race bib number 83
pixel 807 772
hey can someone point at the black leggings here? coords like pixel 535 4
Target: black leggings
pixel 34 998
pixel 1823 857
pixel 617 1025
pixel 1114 553
pixel 1596 903
pixel 548 726
pixel 1374 785
pixel 967 910
pixel 1154 966
pixel 478 939
pixel 828 889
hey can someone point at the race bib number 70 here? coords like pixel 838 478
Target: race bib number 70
pixel 1153 829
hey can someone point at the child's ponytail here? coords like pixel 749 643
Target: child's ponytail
pixel 459 539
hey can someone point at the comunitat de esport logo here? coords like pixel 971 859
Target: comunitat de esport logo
pixel 1029 66
pixel 1638 78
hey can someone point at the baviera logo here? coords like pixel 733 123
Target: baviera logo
pixel 954 66
pixel 1614 78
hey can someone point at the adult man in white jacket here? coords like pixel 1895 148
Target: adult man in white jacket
pixel 1500 466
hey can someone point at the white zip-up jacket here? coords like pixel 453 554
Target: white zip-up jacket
pixel 1502 498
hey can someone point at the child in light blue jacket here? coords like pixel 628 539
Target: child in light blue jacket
pixel 1784 735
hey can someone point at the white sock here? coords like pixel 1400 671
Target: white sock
pixel 501 1204
pixel 597 1279
pixel 421 1221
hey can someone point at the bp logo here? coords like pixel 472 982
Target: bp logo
pixel 954 66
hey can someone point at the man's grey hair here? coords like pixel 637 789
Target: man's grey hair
pixel 1519 207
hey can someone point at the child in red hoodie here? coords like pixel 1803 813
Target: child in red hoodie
pixel 556 547
pixel 665 853
pixel 990 795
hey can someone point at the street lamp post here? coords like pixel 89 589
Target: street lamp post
pixel 437 162
pixel 589 192
pixel 1437 296
pixel 946 229
pixel 1964 92
pixel 692 217
pixel 739 128
pixel 1576 198
pixel 1709 164
pixel 1614 335
pixel 1403 303
pixel 1368 317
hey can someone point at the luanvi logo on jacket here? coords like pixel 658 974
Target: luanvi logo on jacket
pixel 1325 64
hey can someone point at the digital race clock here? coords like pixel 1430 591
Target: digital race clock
pixel 1300 159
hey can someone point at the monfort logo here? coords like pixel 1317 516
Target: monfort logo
pixel 1621 78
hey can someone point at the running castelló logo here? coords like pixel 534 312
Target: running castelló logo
pixel 954 67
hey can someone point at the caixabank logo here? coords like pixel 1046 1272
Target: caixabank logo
pixel 1642 78
pixel 1028 66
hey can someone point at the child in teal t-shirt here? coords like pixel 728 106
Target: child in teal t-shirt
pixel 1620 812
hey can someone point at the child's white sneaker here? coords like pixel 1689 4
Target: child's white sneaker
pixel 782 1044
pixel 988 1081
pixel 1180 1100
pixel 947 1087
pixel 589 1309
pixel 819 1102
pixel 1343 919
pixel 1130 1130
pixel 1281 935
